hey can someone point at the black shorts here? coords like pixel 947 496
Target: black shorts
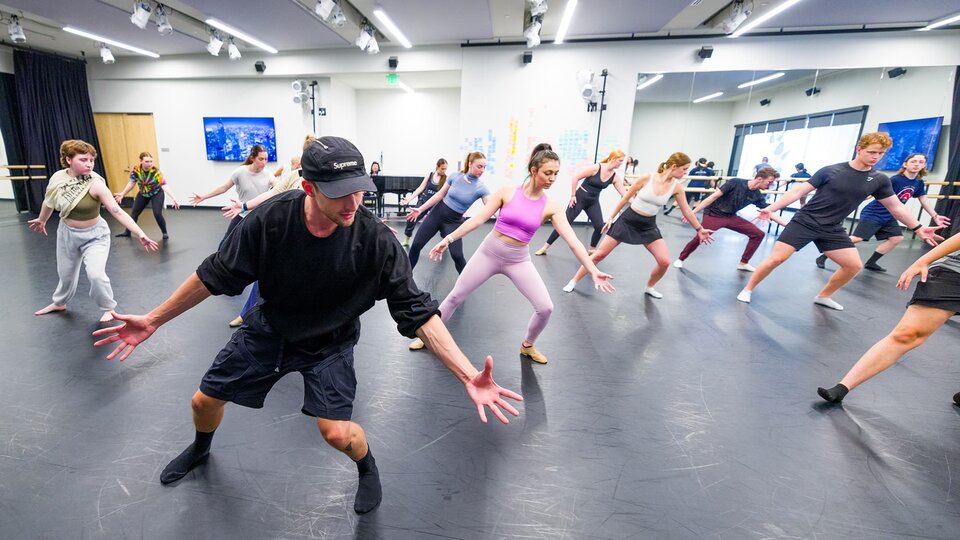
pixel 632 228
pixel 941 290
pixel 869 228
pixel 802 230
pixel 256 357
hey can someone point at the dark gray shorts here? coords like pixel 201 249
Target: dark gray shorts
pixel 868 228
pixel 256 357
pixel 802 230
pixel 941 290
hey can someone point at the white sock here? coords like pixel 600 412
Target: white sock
pixel 650 291
pixel 828 302
pixel 569 286
pixel 746 267
pixel 744 296
pixel 678 263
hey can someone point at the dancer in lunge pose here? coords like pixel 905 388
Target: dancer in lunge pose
pixel 151 188
pixel 522 210
pixel 840 189
pixel 322 261
pixel 638 223
pixel 432 183
pixel 875 220
pixel 585 196
pixel 82 236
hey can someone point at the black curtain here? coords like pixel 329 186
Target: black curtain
pixel 54 106
pixel 946 207
pixel 10 128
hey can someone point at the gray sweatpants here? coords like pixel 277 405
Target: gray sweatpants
pixel 91 247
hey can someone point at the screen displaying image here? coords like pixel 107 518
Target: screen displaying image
pixel 230 138
pixel 909 136
pixel 814 147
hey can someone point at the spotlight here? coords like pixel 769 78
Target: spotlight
pixel 897 72
pixel 140 15
pixel 106 55
pixel 15 30
pixel 324 9
pixel 373 47
pixel 300 98
pixel 366 34
pixel 705 52
pixel 213 46
pixel 538 7
pixel 764 102
pixel 232 50
pixel 532 32
pixel 163 22
pixel 298 86
pixel 731 17
pixel 811 91
pixel 339 19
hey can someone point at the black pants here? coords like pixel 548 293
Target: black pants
pixel 444 220
pixel 155 202
pixel 589 203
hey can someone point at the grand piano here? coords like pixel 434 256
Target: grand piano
pixel 396 185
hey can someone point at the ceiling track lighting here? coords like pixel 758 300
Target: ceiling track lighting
pixel 15 30
pixel 787 4
pixel 108 41
pixel 532 32
pixel 141 14
pixel 106 55
pixel 538 7
pixel 367 41
pixel 232 50
pixel 331 13
pixel 215 43
pixel 242 36
pixel 163 21
pixel 391 27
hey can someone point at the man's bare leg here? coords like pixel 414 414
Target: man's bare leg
pixel 207 415
pixel 349 438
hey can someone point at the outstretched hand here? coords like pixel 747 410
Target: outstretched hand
pixel 134 331
pixel 195 199
pixel 148 244
pixel 414 214
pixel 763 215
pixel 907 276
pixel 601 282
pixel 437 252
pixel 705 235
pixel 38 225
pixel 233 209
pixel 929 235
pixel 485 392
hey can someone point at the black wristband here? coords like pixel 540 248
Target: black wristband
pixel 243 207
pixel 917 228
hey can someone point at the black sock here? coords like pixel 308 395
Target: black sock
pixel 835 394
pixel 194 455
pixel 874 258
pixel 821 261
pixel 956 398
pixel 368 489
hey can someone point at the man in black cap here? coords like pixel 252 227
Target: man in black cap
pixel 322 260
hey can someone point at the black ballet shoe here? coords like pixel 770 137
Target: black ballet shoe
pixel 182 464
pixel 822 261
pixel 956 398
pixel 874 267
pixel 833 395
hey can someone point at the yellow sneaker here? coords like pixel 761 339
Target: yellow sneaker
pixel 540 252
pixel 591 251
pixel 416 344
pixel 532 353
pixel 236 322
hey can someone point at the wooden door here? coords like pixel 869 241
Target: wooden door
pixel 122 137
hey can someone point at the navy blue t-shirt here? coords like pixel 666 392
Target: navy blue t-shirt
pixel 840 190
pixel 699 171
pixel 904 188
pixel 737 195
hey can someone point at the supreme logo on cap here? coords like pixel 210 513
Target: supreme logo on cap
pixel 344 164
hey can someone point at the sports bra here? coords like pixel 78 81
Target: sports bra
pixel 87 208
pixel 647 202
pixel 521 217
pixel 594 184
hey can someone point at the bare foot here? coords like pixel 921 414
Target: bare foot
pixel 50 309
pixel 106 317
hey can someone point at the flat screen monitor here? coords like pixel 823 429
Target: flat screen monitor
pixel 909 136
pixel 229 138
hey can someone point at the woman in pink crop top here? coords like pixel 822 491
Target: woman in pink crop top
pixel 504 251
pixel 638 224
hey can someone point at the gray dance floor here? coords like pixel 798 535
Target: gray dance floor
pixel 688 417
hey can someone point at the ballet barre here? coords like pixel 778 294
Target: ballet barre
pixel 22 177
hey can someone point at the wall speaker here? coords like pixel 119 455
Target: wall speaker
pixel 393 62
pixel 897 72
pixel 764 102
pixel 811 91
pixel 260 66
pixel 527 57
pixel 705 52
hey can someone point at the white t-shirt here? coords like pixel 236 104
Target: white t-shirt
pixel 248 184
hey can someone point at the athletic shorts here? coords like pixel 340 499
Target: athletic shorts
pixel 941 290
pixel 256 357
pixel 869 228
pixel 802 230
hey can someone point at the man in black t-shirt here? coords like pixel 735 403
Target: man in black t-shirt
pixel 840 190
pixel 322 260
pixel 720 212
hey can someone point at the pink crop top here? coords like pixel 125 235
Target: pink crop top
pixel 521 217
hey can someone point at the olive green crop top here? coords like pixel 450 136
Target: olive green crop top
pixel 87 208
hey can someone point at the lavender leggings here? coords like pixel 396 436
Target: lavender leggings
pixel 494 256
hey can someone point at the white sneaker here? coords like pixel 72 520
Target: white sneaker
pixel 746 267
pixel 828 303
pixel 744 296
pixel 650 291
pixel 678 263
pixel 569 286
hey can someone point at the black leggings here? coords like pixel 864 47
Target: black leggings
pixel 589 203
pixel 408 230
pixel 444 220
pixel 155 202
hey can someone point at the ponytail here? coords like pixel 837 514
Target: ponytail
pixel 612 156
pixel 254 152
pixel 471 157
pixel 676 159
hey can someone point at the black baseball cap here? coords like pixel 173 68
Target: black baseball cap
pixel 336 166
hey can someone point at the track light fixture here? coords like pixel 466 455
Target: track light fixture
pixel 15 30
pixel 106 55
pixel 141 14
pixel 331 13
pixel 213 46
pixel 532 32
pixel 163 22
pixel 367 41
pixel 232 50
pixel 538 7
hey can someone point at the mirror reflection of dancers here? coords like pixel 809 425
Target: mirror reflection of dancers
pixel 720 212
pixel 151 187
pixel 935 300
pixel 505 250
pixel 432 183
pixel 585 196
pixel 82 236
pixel 638 223
pixel 456 196
pixel 840 189
pixel 875 220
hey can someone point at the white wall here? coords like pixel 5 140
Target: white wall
pixel 700 130
pixel 178 108
pixel 410 131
